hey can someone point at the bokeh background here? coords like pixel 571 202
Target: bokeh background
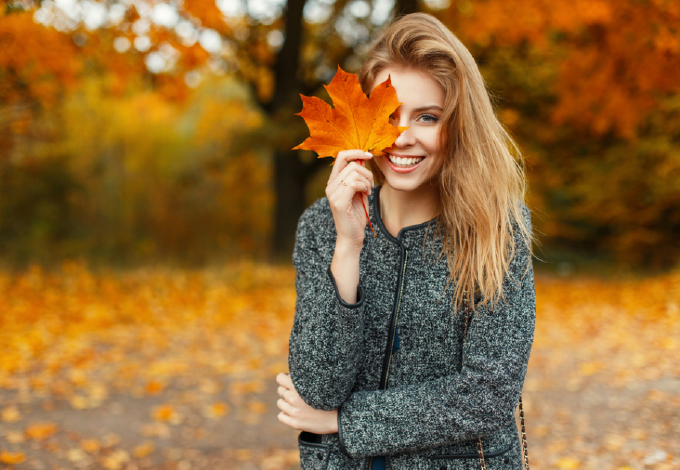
pixel 149 199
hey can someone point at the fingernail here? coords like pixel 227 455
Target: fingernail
pixel 369 154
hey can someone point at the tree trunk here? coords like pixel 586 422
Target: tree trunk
pixel 290 174
pixel 290 178
pixel 404 7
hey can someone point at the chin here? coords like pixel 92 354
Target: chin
pixel 400 183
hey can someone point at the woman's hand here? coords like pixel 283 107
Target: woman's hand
pixel 349 183
pixel 299 415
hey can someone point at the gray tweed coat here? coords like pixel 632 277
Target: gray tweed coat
pixel 394 363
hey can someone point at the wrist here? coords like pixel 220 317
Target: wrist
pixel 333 422
pixel 348 249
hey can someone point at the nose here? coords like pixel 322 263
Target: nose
pixel 405 139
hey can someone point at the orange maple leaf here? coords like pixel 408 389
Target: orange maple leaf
pixel 356 122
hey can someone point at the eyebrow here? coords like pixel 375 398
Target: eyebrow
pixel 426 108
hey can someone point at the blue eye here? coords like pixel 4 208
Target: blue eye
pixel 429 118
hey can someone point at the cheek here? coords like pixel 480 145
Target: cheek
pixel 381 163
pixel 436 165
pixel 432 141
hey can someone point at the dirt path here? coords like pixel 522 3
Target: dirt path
pixel 123 425
pixel 174 370
pixel 594 427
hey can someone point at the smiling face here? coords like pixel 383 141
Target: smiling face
pixel 415 158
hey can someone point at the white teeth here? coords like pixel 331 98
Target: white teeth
pixel 405 162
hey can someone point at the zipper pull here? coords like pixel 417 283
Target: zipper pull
pixel 395 343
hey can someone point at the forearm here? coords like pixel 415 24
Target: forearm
pixel 326 341
pixel 425 415
pixel 345 269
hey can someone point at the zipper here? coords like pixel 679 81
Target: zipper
pixel 393 325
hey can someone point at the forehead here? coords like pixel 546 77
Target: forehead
pixel 414 88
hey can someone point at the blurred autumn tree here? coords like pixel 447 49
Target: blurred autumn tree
pixel 590 89
pixel 587 87
pixel 167 46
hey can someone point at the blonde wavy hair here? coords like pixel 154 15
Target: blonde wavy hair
pixel 482 183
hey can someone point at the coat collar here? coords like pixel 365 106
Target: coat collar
pixel 406 235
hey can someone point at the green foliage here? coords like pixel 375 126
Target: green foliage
pixel 138 179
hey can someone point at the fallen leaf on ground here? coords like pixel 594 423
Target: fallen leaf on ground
pixel 10 414
pixel 90 445
pixel 12 458
pixel 40 431
pixel 143 450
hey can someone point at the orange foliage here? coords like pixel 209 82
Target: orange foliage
pixel 54 326
pixel 356 122
pixel 12 457
pixel 79 333
pixel 29 69
pixel 40 431
pixel 618 55
pixel 207 13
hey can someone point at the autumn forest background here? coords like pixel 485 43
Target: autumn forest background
pixel 149 199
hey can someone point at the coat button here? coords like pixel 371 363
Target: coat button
pixel 506 460
pixel 319 456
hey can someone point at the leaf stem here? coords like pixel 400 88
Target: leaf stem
pixel 362 163
pixel 367 218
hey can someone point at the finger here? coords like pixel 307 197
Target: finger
pixel 282 392
pixel 342 197
pixel 343 159
pixel 285 381
pixel 357 182
pixel 287 420
pixel 352 167
pixel 286 407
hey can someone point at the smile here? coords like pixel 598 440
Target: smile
pixel 404 162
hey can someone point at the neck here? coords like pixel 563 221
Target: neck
pixel 401 209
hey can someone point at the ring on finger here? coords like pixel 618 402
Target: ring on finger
pixel 343 182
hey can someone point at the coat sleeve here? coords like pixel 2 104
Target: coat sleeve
pixel 326 342
pixel 475 402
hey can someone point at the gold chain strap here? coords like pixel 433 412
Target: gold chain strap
pixel 525 451
pixel 481 453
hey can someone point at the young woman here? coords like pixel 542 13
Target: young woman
pixel 409 350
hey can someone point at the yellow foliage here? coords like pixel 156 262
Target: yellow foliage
pixel 568 463
pixel 154 326
pixel 143 450
pixel 10 414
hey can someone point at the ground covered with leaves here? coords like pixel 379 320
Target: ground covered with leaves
pixel 174 369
